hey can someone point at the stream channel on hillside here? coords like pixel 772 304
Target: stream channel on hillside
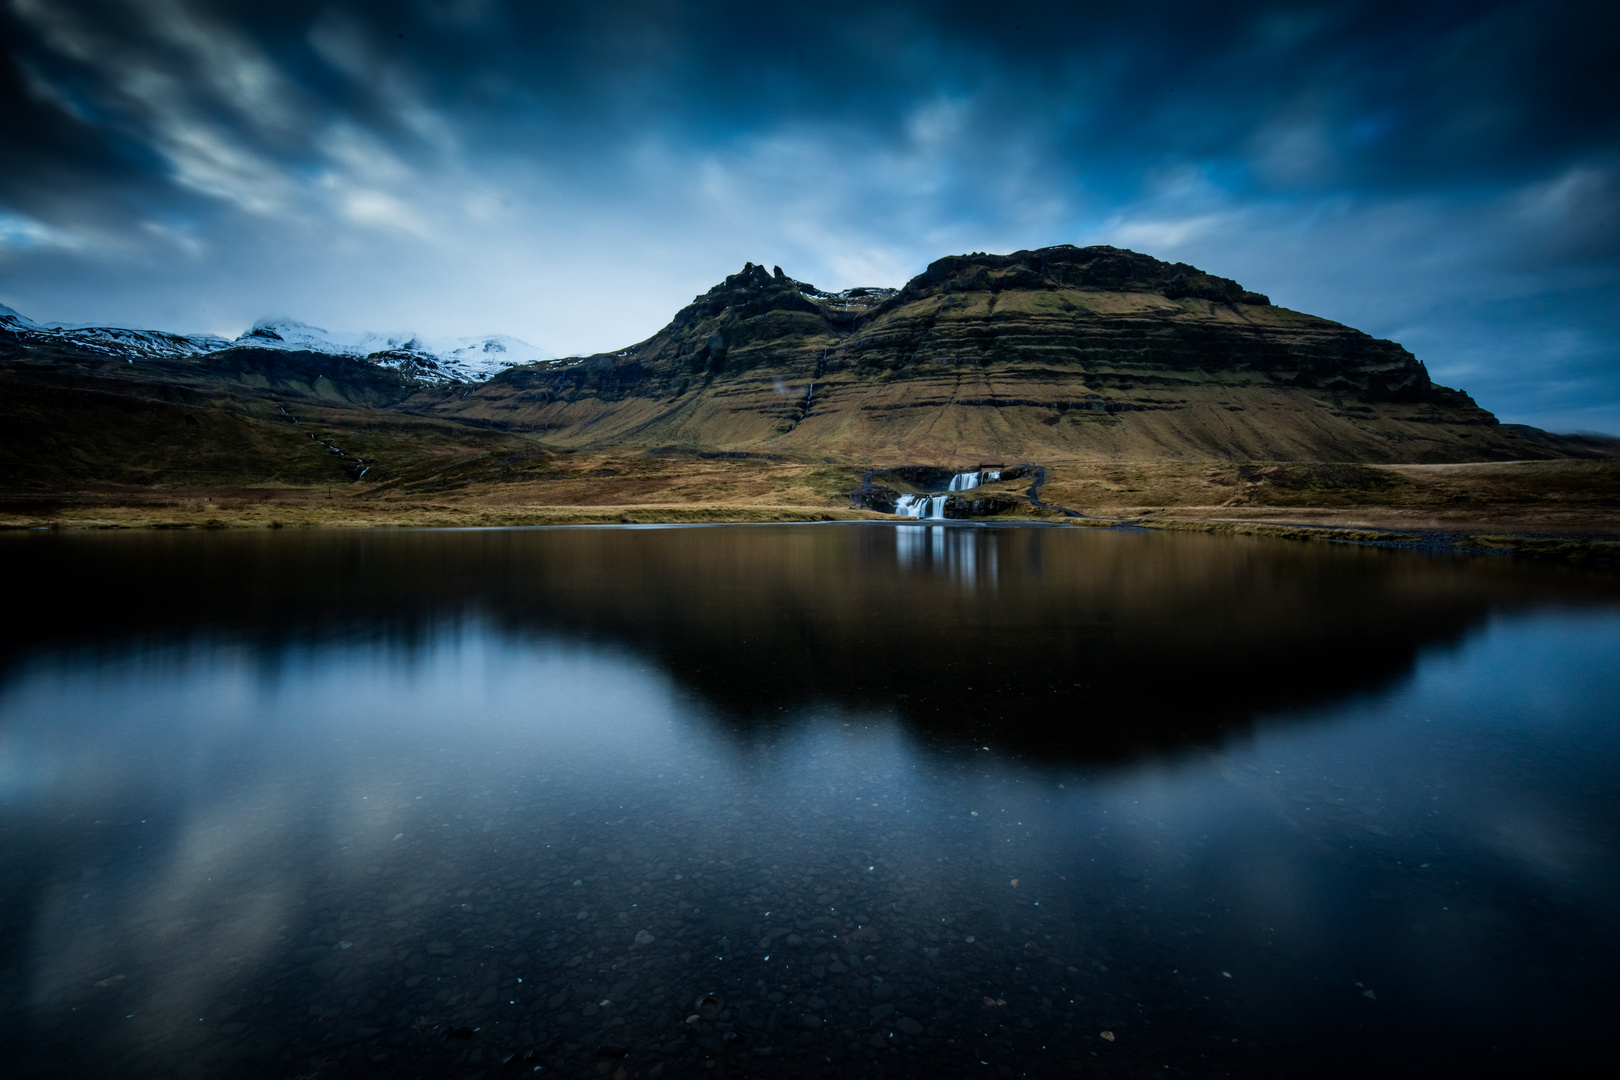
pixel 915 800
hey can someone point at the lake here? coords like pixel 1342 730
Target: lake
pixel 801 800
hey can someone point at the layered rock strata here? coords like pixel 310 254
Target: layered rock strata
pixel 1059 353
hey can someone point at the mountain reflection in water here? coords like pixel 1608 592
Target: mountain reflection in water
pixel 906 798
pixel 1083 644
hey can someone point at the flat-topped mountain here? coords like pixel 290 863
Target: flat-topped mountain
pixel 1061 355
pixel 1063 352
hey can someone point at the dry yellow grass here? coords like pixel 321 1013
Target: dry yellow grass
pixel 1552 508
pixel 1562 497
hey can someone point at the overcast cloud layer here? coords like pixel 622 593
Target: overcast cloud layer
pixel 1447 175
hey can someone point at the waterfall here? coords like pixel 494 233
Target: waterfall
pixel 967 480
pixel 923 507
pixel 932 507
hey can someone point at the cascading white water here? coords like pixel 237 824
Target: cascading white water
pixel 967 480
pixel 932 507
pixel 922 507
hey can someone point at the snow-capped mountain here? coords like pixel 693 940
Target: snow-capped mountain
pixel 471 359
pixel 109 340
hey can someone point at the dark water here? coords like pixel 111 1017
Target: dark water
pixel 907 801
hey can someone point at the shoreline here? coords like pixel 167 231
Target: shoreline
pixel 1586 546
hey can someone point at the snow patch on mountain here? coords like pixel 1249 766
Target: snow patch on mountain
pixel 864 296
pixel 467 359
pixel 109 340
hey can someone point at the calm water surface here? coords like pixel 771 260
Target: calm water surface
pixel 837 800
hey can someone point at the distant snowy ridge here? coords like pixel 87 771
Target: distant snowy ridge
pixel 471 359
pixel 110 340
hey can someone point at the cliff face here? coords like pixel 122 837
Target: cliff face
pixel 1101 312
pixel 1060 353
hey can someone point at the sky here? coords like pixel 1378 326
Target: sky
pixel 1446 175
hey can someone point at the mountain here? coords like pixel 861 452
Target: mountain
pixel 438 360
pixel 1581 444
pixel 1093 353
pixel 1061 356
pixel 435 360
pixel 20 332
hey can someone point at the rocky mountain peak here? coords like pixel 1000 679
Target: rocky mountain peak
pixel 751 291
pixel 1068 266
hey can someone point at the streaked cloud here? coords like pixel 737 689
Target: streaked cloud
pixel 571 174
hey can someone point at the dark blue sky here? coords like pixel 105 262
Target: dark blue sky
pixel 1447 174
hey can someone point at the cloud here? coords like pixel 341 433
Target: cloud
pixel 18 233
pixel 572 174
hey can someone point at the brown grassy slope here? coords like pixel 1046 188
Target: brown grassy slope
pixel 1533 497
pixel 990 412
pixel 90 431
pixel 58 437
pixel 90 440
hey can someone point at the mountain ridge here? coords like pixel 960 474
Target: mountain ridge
pixel 430 360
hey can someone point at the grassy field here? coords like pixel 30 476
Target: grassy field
pixel 1554 509
pixel 1564 496
pixel 92 448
